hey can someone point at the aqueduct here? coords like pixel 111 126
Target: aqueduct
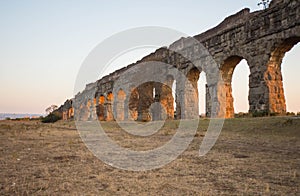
pixel 261 38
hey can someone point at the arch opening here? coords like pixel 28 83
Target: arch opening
pixel 290 76
pixel 240 88
pixel 174 95
pixel 202 99
pixel 235 74
pixel 276 75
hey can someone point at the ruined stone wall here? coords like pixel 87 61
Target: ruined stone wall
pixel 66 110
pixel 261 38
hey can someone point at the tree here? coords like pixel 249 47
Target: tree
pixel 51 109
pixel 264 3
pixel 52 115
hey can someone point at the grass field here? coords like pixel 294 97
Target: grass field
pixel 252 156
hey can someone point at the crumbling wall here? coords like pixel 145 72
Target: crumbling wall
pixel 262 38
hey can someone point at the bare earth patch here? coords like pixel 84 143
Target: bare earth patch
pixel 251 156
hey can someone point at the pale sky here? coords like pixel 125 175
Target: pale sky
pixel 43 44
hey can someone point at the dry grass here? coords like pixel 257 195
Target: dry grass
pixel 252 156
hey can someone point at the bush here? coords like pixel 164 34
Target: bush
pixel 275 114
pixel 259 113
pixel 241 115
pixel 290 114
pixel 51 118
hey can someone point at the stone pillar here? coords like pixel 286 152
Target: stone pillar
pixel 79 112
pixel 229 100
pixel 191 99
pixel 207 102
pixel 145 100
pixel 89 109
pixel 85 111
pixel 126 109
pixel 266 93
pixel 156 109
pixel 93 113
pixel 120 106
pixel 273 78
pixel 217 92
pixel 177 113
pixel 133 104
pixel 65 115
pixel 180 86
pixel 109 107
pixel 187 102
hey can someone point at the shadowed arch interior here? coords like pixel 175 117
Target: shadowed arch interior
pixel 101 108
pixel 133 104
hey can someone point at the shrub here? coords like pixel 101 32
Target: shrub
pixel 290 114
pixel 274 114
pixel 241 115
pixel 259 113
pixel 51 118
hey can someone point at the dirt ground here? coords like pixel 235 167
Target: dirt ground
pixel 252 156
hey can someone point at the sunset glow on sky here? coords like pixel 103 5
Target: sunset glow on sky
pixel 43 44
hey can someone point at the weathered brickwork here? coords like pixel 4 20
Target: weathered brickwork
pixel 261 38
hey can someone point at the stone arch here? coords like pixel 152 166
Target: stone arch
pixel 227 68
pixel 273 75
